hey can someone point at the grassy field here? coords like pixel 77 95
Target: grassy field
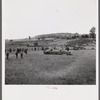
pixel 37 68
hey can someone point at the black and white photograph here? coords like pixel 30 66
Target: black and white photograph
pixel 50 42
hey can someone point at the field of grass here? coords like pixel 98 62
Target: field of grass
pixel 37 68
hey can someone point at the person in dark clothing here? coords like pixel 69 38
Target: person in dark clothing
pixel 21 54
pixel 17 50
pixel 16 55
pixel 25 51
pixel 22 49
pixel 35 49
pixel 10 50
pixel 7 55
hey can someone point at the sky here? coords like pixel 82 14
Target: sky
pixel 24 18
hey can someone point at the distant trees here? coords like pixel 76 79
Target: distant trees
pixel 92 32
pixel 85 35
pixel 74 37
pixel 11 40
pixel 67 36
pixel 43 37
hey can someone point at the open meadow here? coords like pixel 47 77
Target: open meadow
pixel 38 68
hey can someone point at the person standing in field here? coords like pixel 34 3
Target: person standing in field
pixel 10 50
pixel 17 50
pixel 21 54
pixel 7 54
pixel 34 48
pixel 16 54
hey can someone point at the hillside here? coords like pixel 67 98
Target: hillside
pixel 56 35
pixel 50 36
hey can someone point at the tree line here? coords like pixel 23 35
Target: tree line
pixel 91 34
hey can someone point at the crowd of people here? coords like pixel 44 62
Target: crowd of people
pixel 18 51
pixel 21 51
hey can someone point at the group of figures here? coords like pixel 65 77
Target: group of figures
pixel 18 51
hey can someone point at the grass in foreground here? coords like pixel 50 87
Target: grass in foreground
pixel 37 68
